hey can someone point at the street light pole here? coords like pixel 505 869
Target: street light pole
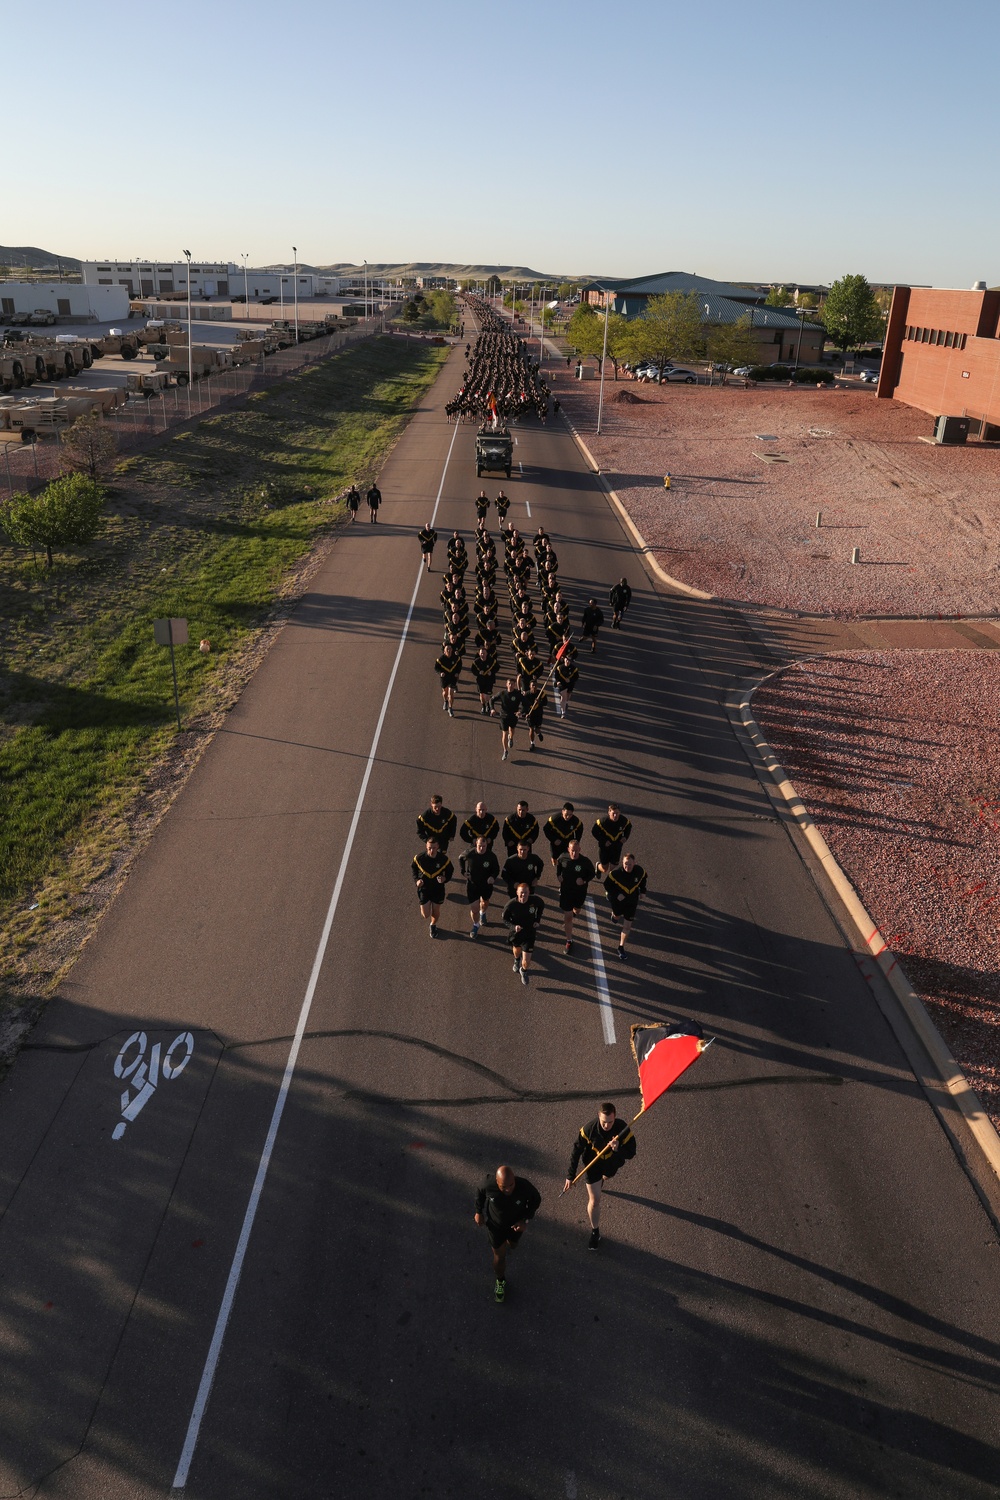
pixel 604 355
pixel 295 291
pixel 366 291
pixel 800 313
pixel 246 286
pixel 187 254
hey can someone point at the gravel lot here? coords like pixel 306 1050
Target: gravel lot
pixel 897 756
pixel 749 470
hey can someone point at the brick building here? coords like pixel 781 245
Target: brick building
pixel 942 355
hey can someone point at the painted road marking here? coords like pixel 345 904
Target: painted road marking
pixel 236 1268
pixel 143 1076
pixel 600 977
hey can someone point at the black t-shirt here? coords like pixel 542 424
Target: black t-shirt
pixel 570 872
pixel 481 868
pixel 503 1210
pixel 517 871
pixel 510 704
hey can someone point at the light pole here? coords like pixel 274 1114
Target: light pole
pixel 800 313
pixel 246 286
pixel 604 355
pixel 366 291
pixel 295 291
pixel 187 254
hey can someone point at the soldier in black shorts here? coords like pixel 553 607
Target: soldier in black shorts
pixel 620 598
pixel 438 822
pixel 503 506
pixel 535 713
pixel 505 1203
pixel 428 537
pixel 448 667
pixel 567 677
pixel 482 870
pixel 611 833
pixel 559 829
pixel 482 505
pixel 523 867
pixel 593 619
pixel 485 670
pixel 623 887
pixel 574 872
pixel 509 705
pixel 432 869
pixel 457 555
pixel 522 916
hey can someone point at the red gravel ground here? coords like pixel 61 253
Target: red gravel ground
pixel 897 756
pixel 739 524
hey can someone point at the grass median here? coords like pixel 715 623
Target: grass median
pixel 207 526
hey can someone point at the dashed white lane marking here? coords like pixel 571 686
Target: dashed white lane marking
pixel 570 1485
pixel 527 506
pixel 600 977
pixel 236 1268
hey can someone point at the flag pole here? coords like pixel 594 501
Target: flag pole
pixel 706 1042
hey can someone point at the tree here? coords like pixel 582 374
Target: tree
pixel 851 314
pixel 567 289
pixel 92 445
pixel 585 332
pixel 807 299
pixel 66 513
pixel 411 312
pixel 733 344
pixel 778 296
pixel 669 329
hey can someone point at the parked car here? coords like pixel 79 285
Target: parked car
pixel 870 377
pixel 743 370
pixel 678 372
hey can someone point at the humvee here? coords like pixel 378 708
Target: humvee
pixel 494 450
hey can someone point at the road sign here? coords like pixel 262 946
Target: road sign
pixel 172 632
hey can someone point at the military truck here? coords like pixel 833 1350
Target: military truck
pixel 20 367
pixel 494 450
pixel 146 383
pixel 117 342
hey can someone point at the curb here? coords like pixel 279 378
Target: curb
pixel 947 1069
pixel 643 547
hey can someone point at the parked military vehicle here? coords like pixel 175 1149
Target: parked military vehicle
pixel 117 342
pixel 20 367
pixel 142 384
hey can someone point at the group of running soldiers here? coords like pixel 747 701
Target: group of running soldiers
pixel 501 381
pixel 541 644
pixel 623 878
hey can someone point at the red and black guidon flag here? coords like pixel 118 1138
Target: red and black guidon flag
pixel 663 1053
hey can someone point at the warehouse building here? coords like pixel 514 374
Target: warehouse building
pixel 66 299
pixel 942 355
pixel 208 279
pixel 783 335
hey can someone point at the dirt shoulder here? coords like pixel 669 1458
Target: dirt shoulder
pixel 895 754
pixel 749 470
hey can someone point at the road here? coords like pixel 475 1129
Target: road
pixel 798 1289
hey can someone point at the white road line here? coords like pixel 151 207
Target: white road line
pixel 600 977
pixel 236 1269
pixel 527 506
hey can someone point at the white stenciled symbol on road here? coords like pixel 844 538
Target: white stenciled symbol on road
pixel 143 1076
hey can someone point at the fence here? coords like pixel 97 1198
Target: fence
pixel 140 423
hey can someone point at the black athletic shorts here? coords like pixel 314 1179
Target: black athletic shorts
pixel 506 724
pixel 626 909
pixel 485 684
pixel 571 901
pixel 500 1237
pixel 524 939
pixel 430 892
pixel 476 892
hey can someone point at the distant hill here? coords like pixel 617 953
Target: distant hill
pixel 35 259
pixel 441 268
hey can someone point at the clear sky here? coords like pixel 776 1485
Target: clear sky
pixel 780 140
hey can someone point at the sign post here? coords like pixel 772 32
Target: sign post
pixel 172 632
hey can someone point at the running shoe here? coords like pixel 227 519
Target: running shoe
pixel 475 930
pixel 504 756
pixel 531 744
pixel 568 948
pixel 524 978
pixel 482 919
pixel 621 955
pixel 433 929
pixel 595 1239
pixel 517 966
pixel 451 713
pixel 500 1290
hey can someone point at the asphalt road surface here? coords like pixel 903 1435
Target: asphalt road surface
pixel 797 1293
